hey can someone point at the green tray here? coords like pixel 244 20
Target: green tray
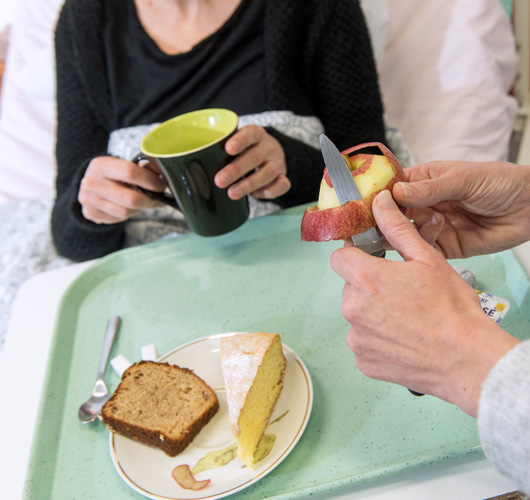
pixel 260 277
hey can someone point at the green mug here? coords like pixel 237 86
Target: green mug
pixel 189 150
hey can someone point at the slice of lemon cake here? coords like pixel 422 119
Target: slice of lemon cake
pixel 160 405
pixel 253 369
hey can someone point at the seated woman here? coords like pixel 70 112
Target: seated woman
pixel 290 70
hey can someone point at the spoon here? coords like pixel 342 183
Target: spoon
pixel 90 410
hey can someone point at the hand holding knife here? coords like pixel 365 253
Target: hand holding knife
pixel 347 190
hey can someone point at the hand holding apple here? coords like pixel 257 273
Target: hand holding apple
pixel 486 205
pixel 372 174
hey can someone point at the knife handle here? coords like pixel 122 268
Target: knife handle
pixel 382 254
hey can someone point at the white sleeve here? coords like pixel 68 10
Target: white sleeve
pixel 504 416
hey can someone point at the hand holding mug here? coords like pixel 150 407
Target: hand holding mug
pixel 108 191
pixel 209 166
pixel 190 150
pixel 258 168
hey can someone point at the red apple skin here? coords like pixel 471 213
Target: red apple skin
pixel 337 223
pixel 354 217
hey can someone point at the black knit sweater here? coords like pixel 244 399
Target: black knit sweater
pixel 318 62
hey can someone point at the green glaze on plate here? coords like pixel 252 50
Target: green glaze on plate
pixel 220 458
pixel 213 459
pixel 260 277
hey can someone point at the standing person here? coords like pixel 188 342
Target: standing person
pixel 290 70
pixel 452 351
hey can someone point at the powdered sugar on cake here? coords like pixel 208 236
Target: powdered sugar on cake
pixel 241 357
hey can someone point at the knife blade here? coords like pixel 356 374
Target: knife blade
pixel 347 190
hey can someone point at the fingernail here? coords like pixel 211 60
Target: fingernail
pixel 436 218
pixel 384 199
pixel 407 191
pixel 233 145
pixel 218 180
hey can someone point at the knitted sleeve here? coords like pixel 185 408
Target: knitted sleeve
pixel 504 416
pixel 82 132
pixel 305 168
pixel 323 49
pixel 347 96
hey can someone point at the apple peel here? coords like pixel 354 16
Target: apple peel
pixel 329 220
pixel 183 476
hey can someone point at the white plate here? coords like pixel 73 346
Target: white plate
pixel 148 470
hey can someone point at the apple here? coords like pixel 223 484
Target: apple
pixel 183 476
pixel 329 220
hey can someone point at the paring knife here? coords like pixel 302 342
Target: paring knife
pixel 347 190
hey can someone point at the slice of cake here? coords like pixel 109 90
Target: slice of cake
pixel 253 368
pixel 160 405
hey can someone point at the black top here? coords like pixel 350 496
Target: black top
pixel 317 62
pixel 227 69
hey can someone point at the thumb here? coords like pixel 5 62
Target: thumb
pixel 397 228
pixel 426 192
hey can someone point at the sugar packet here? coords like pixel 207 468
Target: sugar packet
pixel 495 307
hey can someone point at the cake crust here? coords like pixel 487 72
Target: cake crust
pixel 160 405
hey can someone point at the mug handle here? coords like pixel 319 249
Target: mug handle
pixel 163 197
